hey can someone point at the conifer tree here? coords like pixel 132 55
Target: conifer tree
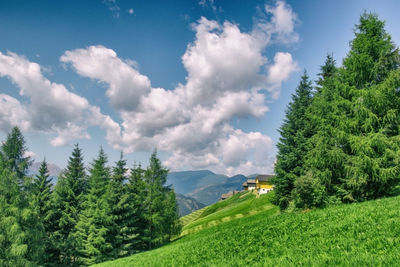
pixel 135 239
pixel 118 206
pixel 292 145
pixel 95 222
pixel 13 154
pixel 20 231
pixel 355 149
pixel 41 202
pixel 161 220
pixel 67 205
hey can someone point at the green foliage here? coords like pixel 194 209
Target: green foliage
pixel 293 144
pixel 161 210
pixel 361 234
pixel 92 235
pixel 21 232
pixel 67 204
pixel 41 203
pixel 353 152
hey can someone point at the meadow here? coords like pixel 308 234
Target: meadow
pixel 354 234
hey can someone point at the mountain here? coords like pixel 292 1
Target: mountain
pixel 187 204
pixel 54 170
pixel 204 186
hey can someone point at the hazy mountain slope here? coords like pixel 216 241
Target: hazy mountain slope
pixel 204 186
pixel 187 204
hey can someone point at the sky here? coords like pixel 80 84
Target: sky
pixel 205 82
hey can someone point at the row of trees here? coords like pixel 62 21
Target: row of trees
pixel 340 141
pixel 85 218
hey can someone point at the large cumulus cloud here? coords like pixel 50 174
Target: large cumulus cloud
pixel 229 76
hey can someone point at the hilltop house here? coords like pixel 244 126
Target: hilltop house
pixel 250 184
pixel 262 184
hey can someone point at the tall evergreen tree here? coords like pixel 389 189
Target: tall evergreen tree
pixel 355 149
pixel 135 239
pixel 95 222
pixel 292 145
pixel 161 217
pixel 125 210
pixel 67 204
pixel 13 154
pixel 20 230
pixel 41 202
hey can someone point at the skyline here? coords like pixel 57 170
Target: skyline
pixel 204 82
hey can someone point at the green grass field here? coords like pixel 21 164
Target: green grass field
pixel 366 234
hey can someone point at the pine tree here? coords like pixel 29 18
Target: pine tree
pixel 372 67
pixel 292 145
pixel 13 238
pixel 161 213
pixel 95 222
pixel 355 149
pixel 135 239
pixel 20 230
pixel 328 70
pixel 13 154
pixel 67 204
pixel 41 202
pixel 125 211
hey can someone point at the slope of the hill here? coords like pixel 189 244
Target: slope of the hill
pixel 187 205
pixel 366 234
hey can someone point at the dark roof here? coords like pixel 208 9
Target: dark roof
pixel 264 177
pixel 224 196
pixel 251 181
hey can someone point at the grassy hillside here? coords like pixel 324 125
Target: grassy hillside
pixel 358 234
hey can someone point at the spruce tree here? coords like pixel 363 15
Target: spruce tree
pixel 135 239
pixel 161 213
pixel 95 222
pixel 21 232
pixel 67 205
pixel 125 211
pixel 371 72
pixel 41 202
pixel 13 154
pixel 292 146
pixel 355 149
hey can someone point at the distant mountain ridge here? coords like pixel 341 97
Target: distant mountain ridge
pixel 54 170
pixel 187 204
pixel 204 185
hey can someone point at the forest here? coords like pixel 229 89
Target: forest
pixel 340 141
pixel 86 217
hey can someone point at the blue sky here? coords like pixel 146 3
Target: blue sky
pixel 205 82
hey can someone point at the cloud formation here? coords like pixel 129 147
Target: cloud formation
pixel 229 77
pixel 51 107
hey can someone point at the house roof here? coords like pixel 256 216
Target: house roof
pixel 229 194
pixel 245 184
pixel 251 181
pixel 264 177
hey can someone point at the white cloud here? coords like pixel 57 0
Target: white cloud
pixel 30 154
pixel 131 11
pixel 281 25
pixel 127 85
pixel 51 108
pixel 229 76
